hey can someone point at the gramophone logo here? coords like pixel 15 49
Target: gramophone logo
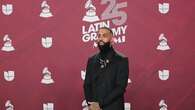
pixel 127 106
pixel 7 46
pixel 163 105
pixel 83 74
pixel 9 105
pixel 9 75
pixel 7 9
pixel 48 106
pixel 45 12
pixel 90 15
pixel 129 81
pixel 46 42
pixel 163 8
pixel 47 78
pixel 163 43
pixel 163 75
pixel 84 105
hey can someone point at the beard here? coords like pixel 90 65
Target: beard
pixel 104 47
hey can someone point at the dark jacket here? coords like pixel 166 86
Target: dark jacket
pixel 107 84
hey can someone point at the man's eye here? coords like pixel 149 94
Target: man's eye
pixel 104 36
pixel 98 35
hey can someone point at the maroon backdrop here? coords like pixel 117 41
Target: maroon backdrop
pixel 67 56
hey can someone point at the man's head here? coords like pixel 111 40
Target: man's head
pixel 104 39
pixel 104 35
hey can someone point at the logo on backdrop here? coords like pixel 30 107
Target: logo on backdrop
pixel 45 12
pixel 7 9
pixel 9 75
pixel 48 106
pixel 129 81
pixel 163 43
pixel 163 75
pixel 127 106
pixel 90 13
pixel 7 46
pixel 9 105
pixel 114 17
pixel 83 74
pixel 163 105
pixel 163 8
pixel 46 42
pixel 47 78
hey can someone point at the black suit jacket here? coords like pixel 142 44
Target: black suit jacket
pixel 107 85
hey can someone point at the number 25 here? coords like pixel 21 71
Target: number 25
pixel 112 11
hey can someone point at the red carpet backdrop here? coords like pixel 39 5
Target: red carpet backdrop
pixel 45 44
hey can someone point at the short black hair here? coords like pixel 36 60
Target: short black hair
pixel 107 28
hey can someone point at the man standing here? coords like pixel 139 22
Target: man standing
pixel 106 75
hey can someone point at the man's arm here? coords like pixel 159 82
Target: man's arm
pixel 87 83
pixel 121 83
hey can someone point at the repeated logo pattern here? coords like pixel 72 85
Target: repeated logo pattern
pixel 114 15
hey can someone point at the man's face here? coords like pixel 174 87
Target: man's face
pixel 104 36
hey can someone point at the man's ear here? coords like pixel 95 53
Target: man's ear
pixel 112 40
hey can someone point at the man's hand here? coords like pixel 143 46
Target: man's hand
pixel 94 106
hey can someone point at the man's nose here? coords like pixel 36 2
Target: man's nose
pixel 99 38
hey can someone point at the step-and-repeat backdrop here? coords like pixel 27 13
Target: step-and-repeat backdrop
pixel 45 44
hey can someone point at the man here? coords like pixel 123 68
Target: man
pixel 106 75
